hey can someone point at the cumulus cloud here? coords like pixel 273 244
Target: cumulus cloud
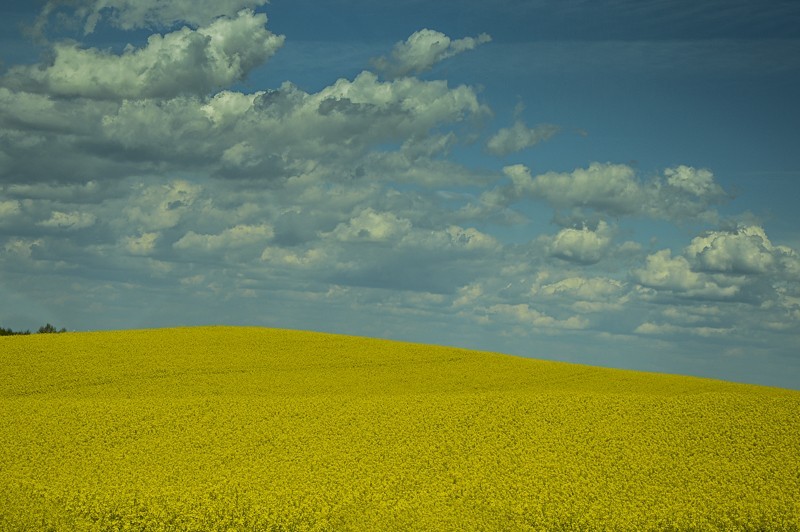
pixel 143 244
pixel 69 221
pixel 275 134
pixel 158 207
pixel 682 193
pixel 669 330
pixel 422 50
pixel 371 226
pixel 518 137
pixel 746 250
pixel 526 315
pixel 9 208
pixel 586 294
pixel 233 237
pixel 695 181
pixel 294 258
pixel 664 272
pixel 587 288
pixel 583 294
pixel 584 246
pixel 730 276
pixel 22 248
pixel 611 188
pixel 270 135
pixel 185 61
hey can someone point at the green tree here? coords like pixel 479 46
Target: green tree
pixel 50 329
pixel 10 332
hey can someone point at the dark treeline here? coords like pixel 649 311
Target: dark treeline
pixel 44 329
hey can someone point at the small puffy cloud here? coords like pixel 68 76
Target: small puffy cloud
pixel 746 250
pixel 9 208
pixel 583 246
pixel 21 247
pixel 469 239
pixel 585 294
pixel 69 221
pixel 185 61
pixel 518 137
pixel 683 193
pixel 158 207
pixel 422 50
pixel 611 188
pixel 666 329
pixel 294 258
pixel 526 315
pixel 453 238
pixel 372 226
pixel 520 176
pixel 698 182
pixel 233 237
pixel 468 295
pixel 584 288
pixel 674 274
pixel 143 244
pixel 740 266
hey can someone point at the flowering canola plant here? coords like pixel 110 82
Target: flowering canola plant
pixel 234 428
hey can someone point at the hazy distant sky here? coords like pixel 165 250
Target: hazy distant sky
pixel 610 182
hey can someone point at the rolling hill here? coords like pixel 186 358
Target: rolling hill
pixel 215 428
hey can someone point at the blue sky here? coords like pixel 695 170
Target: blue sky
pixel 607 182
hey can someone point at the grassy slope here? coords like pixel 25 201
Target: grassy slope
pixel 249 427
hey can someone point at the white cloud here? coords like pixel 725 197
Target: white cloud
pixel 526 315
pixel 469 239
pixel 518 137
pixel 698 182
pixel 666 329
pixel 611 188
pixel 156 207
pixel 585 294
pixel 468 295
pixel 274 135
pixel 21 247
pixel 746 250
pixel 9 208
pixel 185 61
pixel 143 244
pixel 70 221
pixel 422 50
pixel 294 258
pixel 674 274
pixel 233 237
pixel 683 193
pixel 372 226
pixel 585 288
pixel 583 245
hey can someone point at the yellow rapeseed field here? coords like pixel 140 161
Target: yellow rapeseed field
pixel 225 428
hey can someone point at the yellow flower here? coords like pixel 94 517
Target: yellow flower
pixel 223 428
